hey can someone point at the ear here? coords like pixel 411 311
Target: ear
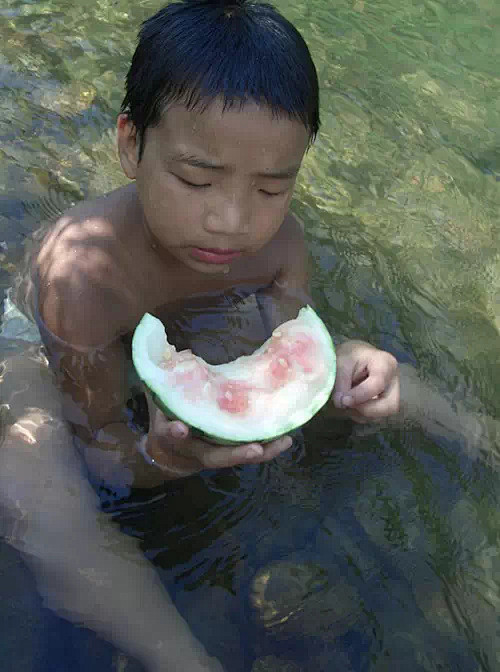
pixel 128 145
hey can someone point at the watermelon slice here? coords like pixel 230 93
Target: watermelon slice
pixel 254 398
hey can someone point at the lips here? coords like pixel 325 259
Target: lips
pixel 215 250
pixel 213 255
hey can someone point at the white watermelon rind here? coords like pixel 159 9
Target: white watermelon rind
pixel 162 397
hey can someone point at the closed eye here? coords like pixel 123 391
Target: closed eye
pixel 272 193
pixel 192 184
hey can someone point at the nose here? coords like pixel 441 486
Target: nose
pixel 228 216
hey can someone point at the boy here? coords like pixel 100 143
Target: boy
pixel 213 132
pixel 221 105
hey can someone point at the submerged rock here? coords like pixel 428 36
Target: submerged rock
pixel 274 664
pixel 303 599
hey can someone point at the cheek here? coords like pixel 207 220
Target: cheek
pixel 169 208
pixel 269 217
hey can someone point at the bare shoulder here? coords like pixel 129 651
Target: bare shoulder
pixel 290 232
pixel 291 252
pixel 83 273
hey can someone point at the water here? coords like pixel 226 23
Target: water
pixel 391 539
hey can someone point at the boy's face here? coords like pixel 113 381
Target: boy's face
pixel 214 182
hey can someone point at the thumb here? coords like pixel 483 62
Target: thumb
pixel 164 430
pixel 167 430
pixel 177 430
pixel 161 426
pixel 343 385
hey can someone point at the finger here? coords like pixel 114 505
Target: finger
pixel 276 447
pixel 343 385
pixel 380 379
pixel 167 430
pixel 252 453
pixel 378 409
pixel 176 431
pixel 162 426
pixel 384 405
pixel 169 447
pixel 369 389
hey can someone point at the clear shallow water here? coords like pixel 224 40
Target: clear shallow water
pixel 397 533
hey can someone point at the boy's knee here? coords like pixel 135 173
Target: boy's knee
pixel 26 382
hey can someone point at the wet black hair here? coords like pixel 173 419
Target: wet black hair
pixel 195 51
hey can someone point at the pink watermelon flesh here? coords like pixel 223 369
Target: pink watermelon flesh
pixel 286 357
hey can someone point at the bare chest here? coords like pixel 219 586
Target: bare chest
pixel 218 317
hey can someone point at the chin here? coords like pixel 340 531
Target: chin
pixel 206 269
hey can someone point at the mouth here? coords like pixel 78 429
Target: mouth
pixel 210 255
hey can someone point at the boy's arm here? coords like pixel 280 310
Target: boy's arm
pixel 81 313
pixel 93 385
pixel 86 569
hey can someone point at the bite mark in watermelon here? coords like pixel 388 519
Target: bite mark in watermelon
pixel 254 398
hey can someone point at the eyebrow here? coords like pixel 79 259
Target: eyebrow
pixel 198 162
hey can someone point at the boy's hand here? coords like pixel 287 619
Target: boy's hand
pixel 367 383
pixel 172 448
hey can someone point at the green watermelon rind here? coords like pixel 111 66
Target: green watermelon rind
pixel 199 432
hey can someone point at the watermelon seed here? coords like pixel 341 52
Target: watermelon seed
pixel 229 396
pixel 277 333
pixel 282 361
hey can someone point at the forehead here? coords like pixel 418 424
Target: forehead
pixel 249 134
